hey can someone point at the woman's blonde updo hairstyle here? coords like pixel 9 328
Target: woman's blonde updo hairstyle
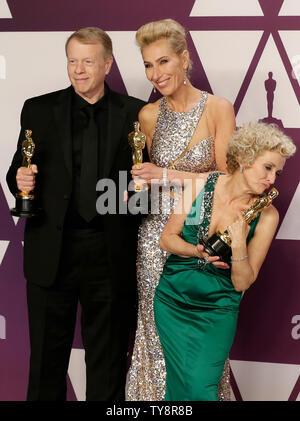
pixel 167 29
pixel 252 140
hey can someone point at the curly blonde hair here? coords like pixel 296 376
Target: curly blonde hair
pixel 253 139
pixel 168 29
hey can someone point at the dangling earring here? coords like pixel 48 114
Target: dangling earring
pixel 241 170
pixel 154 90
pixel 185 79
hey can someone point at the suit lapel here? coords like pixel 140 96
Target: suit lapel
pixel 63 125
pixel 115 123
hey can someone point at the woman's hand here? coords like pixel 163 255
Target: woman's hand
pixel 215 260
pixel 147 171
pixel 238 232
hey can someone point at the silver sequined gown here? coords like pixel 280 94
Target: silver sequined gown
pixel 146 376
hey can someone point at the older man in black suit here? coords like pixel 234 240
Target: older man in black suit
pixel 71 252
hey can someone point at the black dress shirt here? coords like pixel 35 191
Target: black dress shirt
pixel 79 120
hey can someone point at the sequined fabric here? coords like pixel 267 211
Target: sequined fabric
pixel 147 376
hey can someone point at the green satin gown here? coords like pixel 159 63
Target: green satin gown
pixel 196 310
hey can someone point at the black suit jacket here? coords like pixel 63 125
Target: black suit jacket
pixel 49 118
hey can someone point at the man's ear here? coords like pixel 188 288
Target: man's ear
pixel 108 63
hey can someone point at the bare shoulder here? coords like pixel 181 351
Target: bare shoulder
pixel 149 113
pixel 218 104
pixel 148 117
pixel 270 213
pixel 268 221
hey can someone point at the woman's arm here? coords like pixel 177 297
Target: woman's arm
pixel 221 121
pixel 247 261
pixel 171 239
pixel 147 118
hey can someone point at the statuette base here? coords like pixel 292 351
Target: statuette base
pixel 25 207
pixel 215 246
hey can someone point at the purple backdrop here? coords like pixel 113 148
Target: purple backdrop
pixel 265 324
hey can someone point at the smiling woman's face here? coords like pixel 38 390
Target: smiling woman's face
pixel 164 68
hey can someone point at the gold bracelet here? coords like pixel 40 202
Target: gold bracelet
pixel 239 260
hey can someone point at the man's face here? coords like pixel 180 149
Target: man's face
pixel 87 69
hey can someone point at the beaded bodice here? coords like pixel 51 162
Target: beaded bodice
pixel 172 136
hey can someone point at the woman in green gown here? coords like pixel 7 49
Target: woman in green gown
pixel 197 300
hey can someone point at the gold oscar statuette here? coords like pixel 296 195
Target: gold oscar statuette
pixel 219 244
pixel 25 200
pixel 137 141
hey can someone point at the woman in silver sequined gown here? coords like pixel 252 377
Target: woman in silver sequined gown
pixel 187 133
